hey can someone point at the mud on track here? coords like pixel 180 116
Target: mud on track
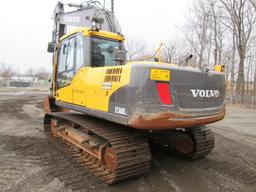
pixel 29 163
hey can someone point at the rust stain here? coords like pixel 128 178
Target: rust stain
pixel 172 120
pixel 47 108
pixel 50 106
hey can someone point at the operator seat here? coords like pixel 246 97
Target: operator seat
pixel 98 59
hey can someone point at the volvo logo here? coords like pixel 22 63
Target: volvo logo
pixel 72 19
pixel 205 93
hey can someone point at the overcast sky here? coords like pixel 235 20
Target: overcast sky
pixel 26 27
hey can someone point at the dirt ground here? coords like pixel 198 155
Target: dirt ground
pixel 29 163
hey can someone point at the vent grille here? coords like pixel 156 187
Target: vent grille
pixel 120 96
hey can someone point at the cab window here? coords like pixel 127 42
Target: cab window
pixel 102 51
pixel 79 52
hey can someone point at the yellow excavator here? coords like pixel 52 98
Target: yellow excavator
pixel 108 111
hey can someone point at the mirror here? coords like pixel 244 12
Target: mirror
pixel 50 48
pixel 119 55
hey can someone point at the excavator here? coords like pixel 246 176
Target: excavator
pixel 107 112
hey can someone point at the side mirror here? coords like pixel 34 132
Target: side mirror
pixel 50 48
pixel 119 56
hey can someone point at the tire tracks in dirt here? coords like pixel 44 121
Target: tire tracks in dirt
pixel 31 152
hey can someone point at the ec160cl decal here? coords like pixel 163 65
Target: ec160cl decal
pixel 205 93
pixel 121 111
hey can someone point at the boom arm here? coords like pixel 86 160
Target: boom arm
pixel 91 14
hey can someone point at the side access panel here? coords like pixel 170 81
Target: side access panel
pixel 65 94
pixel 93 91
pixel 80 87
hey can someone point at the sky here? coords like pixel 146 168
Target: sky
pixel 26 27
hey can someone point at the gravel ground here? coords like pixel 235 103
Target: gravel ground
pixel 29 163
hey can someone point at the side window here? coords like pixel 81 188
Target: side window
pixel 79 52
pixel 66 63
pixel 102 52
pixel 62 57
pixel 70 54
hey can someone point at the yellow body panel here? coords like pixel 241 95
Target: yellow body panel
pixel 65 94
pixel 93 87
pixel 116 80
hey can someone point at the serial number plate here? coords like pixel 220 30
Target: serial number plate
pixel 160 75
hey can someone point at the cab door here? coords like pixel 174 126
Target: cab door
pixel 65 71
pixel 81 69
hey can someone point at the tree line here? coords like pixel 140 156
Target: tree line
pixel 7 72
pixel 216 32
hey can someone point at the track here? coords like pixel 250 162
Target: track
pixel 204 142
pixel 131 151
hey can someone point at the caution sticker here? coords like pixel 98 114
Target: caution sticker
pixel 160 75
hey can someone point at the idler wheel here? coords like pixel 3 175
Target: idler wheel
pixel 183 143
pixel 110 159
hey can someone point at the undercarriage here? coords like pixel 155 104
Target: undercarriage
pixel 110 152
pixel 115 153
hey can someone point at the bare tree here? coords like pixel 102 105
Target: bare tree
pixel 135 49
pixel 218 30
pixel 1 68
pixel 170 52
pixel 6 71
pixel 204 26
pixel 30 72
pixel 242 16
pixel 253 2
pixel 232 80
pixel 43 74
pixel 201 26
pixel 254 85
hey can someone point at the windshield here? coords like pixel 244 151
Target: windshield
pixel 102 52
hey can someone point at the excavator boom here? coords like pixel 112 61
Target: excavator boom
pixel 91 15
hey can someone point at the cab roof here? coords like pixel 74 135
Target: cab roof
pixel 88 32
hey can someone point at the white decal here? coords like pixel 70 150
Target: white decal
pixel 106 85
pixel 120 111
pixel 205 93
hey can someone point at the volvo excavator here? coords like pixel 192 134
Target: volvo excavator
pixel 107 112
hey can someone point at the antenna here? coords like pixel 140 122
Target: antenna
pixel 112 6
